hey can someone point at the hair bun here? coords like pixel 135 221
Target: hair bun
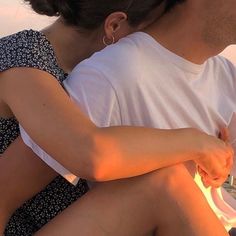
pixel 91 14
pixel 50 7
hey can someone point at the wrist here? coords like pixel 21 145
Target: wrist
pixel 196 141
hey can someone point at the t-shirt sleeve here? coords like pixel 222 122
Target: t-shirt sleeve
pixel 48 159
pixel 95 95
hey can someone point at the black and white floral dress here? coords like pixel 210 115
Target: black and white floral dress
pixel 30 48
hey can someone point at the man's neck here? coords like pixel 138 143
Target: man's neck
pixel 181 32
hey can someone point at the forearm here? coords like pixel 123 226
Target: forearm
pixel 120 152
pixel 60 128
pixel 130 151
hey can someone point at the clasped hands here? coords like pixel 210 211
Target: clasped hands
pixel 215 167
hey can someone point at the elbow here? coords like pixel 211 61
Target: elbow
pixel 90 169
pixel 98 175
pixel 97 169
pixel 93 170
pixel 95 162
pixel 102 156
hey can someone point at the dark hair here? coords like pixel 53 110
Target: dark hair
pixel 171 3
pixel 90 14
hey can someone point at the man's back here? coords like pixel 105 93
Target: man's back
pixel 157 89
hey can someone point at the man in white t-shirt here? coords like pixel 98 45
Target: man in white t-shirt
pixel 167 77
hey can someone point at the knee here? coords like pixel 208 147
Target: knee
pixel 169 180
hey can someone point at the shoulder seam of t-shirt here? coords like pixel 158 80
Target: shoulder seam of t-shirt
pixel 104 77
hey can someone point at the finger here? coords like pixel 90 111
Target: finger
pixel 201 172
pixel 224 134
pixel 211 183
pixel 212 172
pixel 207 180
pixel 215 183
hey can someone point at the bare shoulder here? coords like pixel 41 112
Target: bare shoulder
pixel 16 83
pixel 13 77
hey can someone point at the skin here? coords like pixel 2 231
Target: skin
pixel 211 35
pixel 204 23
pixel 87 153
pixel 14 195
pixel 225 34
pixel 209 39
pixel 132 208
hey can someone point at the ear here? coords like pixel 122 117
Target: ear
pixel 113 23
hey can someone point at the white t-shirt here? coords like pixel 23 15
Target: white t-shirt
pixel 139 82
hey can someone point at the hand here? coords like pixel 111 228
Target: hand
pixel 207 181
pixel 216 159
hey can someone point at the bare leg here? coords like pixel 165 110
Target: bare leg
pixel 165 202
pixel 22 175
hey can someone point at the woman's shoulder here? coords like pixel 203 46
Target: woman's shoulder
pixel 29 48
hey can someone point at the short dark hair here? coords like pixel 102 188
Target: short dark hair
pixel 170 4
pixel 90 14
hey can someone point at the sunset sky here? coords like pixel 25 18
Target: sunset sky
pixel 16 15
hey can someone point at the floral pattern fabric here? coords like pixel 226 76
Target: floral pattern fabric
pixel 31 48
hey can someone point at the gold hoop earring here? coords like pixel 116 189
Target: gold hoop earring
pixel 107 41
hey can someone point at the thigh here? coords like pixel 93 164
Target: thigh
pixel 139 206
pixel 48 203
pixel 22 175
pixel 110 208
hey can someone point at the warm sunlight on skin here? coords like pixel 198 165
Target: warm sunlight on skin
pixel 16 15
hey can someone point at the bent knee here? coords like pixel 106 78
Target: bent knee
pixel 170 179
